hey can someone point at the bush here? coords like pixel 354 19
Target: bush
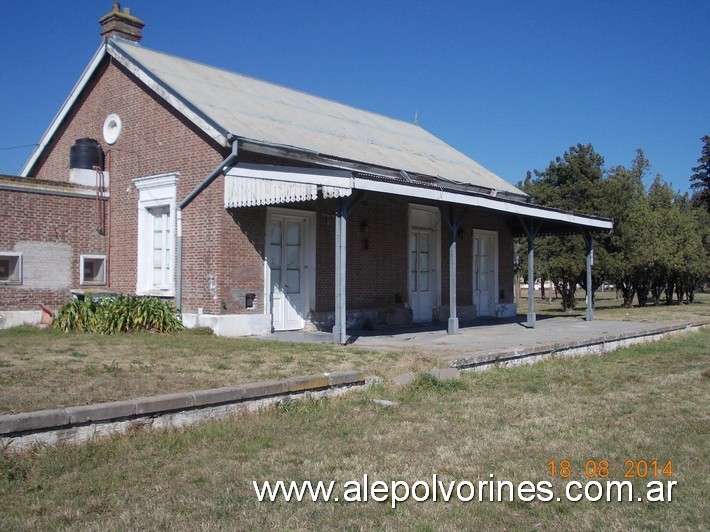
pixel 118 314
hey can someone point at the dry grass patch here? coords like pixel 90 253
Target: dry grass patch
pixel 608 307
pixel 49 369
pixel 647 402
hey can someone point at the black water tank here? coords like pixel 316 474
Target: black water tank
pixel 86 153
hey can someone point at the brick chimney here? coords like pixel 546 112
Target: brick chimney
pixel 121 24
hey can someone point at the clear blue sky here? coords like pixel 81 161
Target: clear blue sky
pixel 512 84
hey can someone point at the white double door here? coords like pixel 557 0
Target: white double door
pixel 421 282
pixel 424 252
pixel 485 271
pixel 288 252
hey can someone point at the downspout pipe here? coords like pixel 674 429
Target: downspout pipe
pixel 219 170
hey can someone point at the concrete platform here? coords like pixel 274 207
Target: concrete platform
pixel 492 339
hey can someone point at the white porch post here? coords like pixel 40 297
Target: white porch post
pixel 454 225
pixel 453 327
pixel 340 326
pixel 531 229
pixel 531 281
pixel 589 239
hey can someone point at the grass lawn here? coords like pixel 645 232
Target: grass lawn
pixel 608 307
pixel 648 402
pixel 48 369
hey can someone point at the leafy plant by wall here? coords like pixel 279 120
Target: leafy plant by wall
pixel 118 314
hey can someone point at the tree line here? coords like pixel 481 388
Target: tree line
pixel 659 249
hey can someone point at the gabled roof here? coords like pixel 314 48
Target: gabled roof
pixel 226 105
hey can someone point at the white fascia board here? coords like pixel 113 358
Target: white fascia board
pixel 477 201
pixel 64 110
pixel 161 90
pixel 329 178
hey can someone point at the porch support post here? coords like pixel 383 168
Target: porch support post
pixel 453 326
pixel 343 211
pixel 339 328
pixel 531 229
pixel 454 225
pixel 589 239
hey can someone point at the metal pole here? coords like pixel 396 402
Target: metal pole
pixel 340 325
pixel 590 262
pixel 343 276
pixel 453 327
pixel 178 280
pixel 338 273
pixel 531 279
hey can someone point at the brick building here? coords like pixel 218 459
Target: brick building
pixel 258 208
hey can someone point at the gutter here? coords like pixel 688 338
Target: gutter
pixel 219 170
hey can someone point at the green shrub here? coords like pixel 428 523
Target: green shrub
pixel 118 314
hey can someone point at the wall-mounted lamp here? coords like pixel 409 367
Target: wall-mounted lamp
pixel 328 216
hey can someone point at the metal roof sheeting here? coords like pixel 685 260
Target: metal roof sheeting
pixel 256 110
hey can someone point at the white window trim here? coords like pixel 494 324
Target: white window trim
pixel 82 278
pixel 17 255
pixel 154 191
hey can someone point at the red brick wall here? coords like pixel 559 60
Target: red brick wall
pixel 488 221
pixel 376 277
pixel 33 217
pixel 242 259
pixel 154 140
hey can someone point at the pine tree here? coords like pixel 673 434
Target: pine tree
pixel 700 180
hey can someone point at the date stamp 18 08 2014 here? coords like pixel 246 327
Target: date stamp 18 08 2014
pixel 602 468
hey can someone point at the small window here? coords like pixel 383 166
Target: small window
pixel 93 269
pixel 10 268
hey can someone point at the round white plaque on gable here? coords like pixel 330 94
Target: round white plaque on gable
pixel 112 128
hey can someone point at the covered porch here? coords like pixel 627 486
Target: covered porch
pixel 432 279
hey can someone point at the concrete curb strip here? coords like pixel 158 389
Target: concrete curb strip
pixel 164 403
pixel 48 420
pixel 29 421
pixel 599 345
pixel 98 412
pixel 230 394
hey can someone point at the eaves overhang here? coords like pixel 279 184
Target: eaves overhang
pixel 272 184
pixel 557 220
